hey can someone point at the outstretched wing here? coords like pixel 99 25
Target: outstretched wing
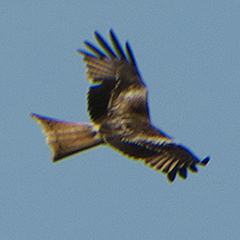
pixel 173 158
pixel 143 141
pixel 117 88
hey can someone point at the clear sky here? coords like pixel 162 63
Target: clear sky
pixel 188 53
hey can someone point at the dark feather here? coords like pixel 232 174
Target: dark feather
pixel 193 167
pixel 95 50
pixel 98 99
pixel 130 55
pixel 105 45
pixel 172 175
pixel 130 149
pixel 205 161
pixel 117 46
pixel 183 172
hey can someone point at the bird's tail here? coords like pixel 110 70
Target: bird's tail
pixel 66 138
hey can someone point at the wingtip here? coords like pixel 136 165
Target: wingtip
pixel 183 172
pixel 111 31
pixel 35 116
pixel 171 176
pixel 32 115
pixel 97 34
pixel 80 51
pixel 56 158
pixel 205 161
pixel 130 54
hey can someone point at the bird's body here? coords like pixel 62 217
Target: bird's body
pixel 118 108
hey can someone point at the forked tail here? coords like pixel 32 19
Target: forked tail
pixel 66 138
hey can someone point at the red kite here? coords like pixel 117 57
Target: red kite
pixel 118 108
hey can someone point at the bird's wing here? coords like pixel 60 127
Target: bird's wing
pixel 144 142
pixel 172 158
pixel 117 88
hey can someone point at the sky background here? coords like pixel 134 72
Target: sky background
pixel 188 53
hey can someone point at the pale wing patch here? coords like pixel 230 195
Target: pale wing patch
pixel 134 93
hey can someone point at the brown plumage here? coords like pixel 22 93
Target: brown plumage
pixel 118 108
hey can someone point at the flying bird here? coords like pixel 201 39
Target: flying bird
pixel 118 108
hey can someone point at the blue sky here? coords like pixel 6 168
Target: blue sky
pixel 188 54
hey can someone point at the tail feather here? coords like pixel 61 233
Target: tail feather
pixel 66 138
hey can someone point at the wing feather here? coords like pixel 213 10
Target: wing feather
pixel 130 55
pixel 155 149
pixel 182 172
pixel 126 94
pixel 162 164
pixel 117 46
pixel 105 46
pixel 97 52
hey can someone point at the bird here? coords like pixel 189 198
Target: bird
pixel 117 101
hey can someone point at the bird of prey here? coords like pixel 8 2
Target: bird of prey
pixel 118 108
